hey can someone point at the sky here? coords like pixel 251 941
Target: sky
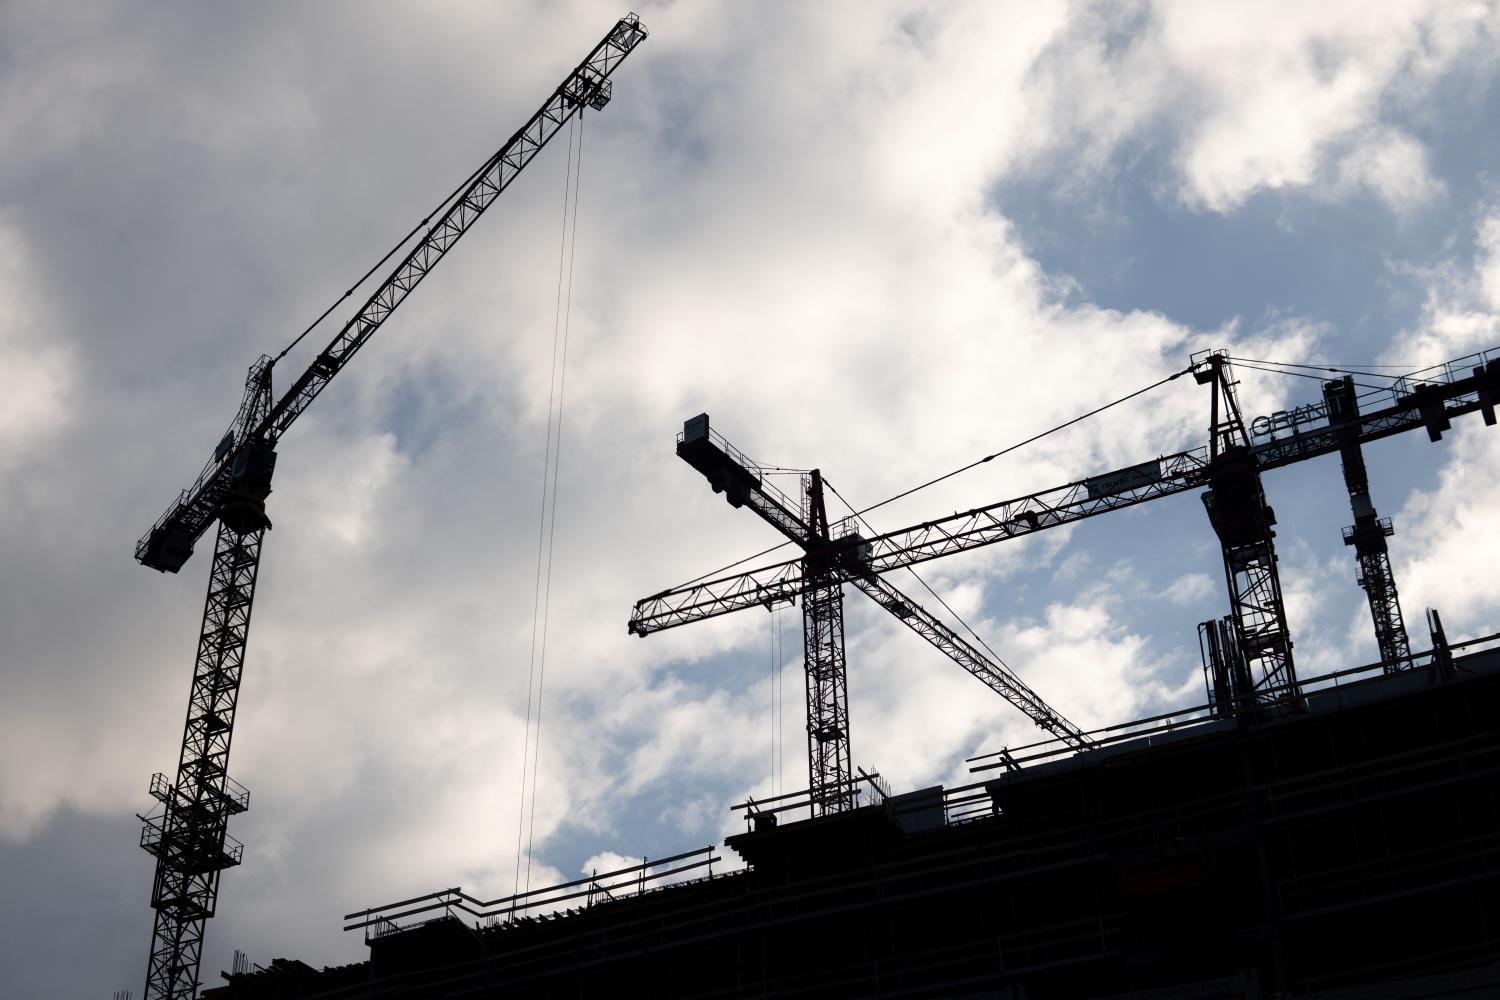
pixel 878 238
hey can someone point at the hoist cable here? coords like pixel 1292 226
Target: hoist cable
pixel 562 385
pixel 1256 367
pixel 1022 444
pixel 540 531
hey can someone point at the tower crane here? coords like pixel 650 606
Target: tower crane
pixel 827 563
pixel 187 832
pixel 1255 672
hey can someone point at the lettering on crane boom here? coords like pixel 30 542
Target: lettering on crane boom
pixel 1123 480
pixel 1288 420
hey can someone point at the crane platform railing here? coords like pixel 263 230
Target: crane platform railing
pixel 958 804
pixel 1402 387
pixel 633 880
pixel 761 473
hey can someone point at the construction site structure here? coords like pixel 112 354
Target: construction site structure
pixel 1330 836
pixel 1251 650
pixel 188 833
pixel 1346 851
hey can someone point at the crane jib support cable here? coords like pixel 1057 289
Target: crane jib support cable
pixel 188 835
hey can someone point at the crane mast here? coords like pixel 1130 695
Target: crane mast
pixel 188 834
pixel 1241 517
pixel 829 561
pixel 1369 531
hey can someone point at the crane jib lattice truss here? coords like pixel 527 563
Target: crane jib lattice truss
pixel 188 833
pixel 1228 468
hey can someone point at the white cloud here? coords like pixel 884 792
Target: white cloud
pixel 1256 97
pixel 35 400
pixel 1461 307
pixel 1189 588
pixel 1448 539
pixel 1390 165
pixel 786 222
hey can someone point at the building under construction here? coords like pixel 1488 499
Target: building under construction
pixel 1350 850
pixel 1328 836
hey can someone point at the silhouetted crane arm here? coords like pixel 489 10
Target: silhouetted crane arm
pixel 743 482
pixel 1432 407
pixel 833 560
pixel 1308 435
pixel 759 588
pixel 965 654
pixel 170 541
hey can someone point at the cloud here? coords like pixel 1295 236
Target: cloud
pixel 1189 588
pixel 1311 105
pixel 786 221
pixel 35 403
pixel 1461 302
pixel 1448 537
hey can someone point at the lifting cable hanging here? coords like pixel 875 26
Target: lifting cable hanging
pixel 547 519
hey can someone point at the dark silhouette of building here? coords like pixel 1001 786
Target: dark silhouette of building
pixel 1347 851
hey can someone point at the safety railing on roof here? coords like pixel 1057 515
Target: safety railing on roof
pixel 1158 726
pixel 634 880
pixel 864 788
pixel 957 805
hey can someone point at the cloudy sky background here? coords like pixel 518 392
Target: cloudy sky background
pixel 879 238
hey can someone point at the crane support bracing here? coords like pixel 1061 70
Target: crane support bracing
pixel 965 654
pixel 188 836
pixel 830 765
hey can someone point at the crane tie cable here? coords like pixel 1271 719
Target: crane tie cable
pixel 912 570
pixel 541 594
pixel 949 475
pixel 562 385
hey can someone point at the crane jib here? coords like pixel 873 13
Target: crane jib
pixel 169 542
pixel 1431 407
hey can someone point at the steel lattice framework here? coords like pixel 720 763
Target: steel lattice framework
pixel 1237 509
pixel 189 835
pixel 818 578
pixel 1229 468
pixel 967 655
pixel 1368 532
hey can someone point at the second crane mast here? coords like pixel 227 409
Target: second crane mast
pixel 189 834
pixel 829 560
